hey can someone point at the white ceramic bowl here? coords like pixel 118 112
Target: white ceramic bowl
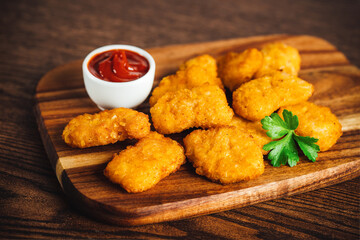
pixel 109 95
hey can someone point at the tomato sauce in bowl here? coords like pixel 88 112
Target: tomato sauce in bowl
pixel 118 65
pixel 118 76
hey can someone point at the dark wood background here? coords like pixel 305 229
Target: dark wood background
pixel 36 36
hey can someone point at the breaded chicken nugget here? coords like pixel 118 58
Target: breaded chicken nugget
pixel 205 61
pixel 224 154
pixel 106 127
pixel 254 129
pixel 279 57
pixel 193 73
pixel 142 166
pixel 236 68
pixel 262 96
pixel 204 106
pixel 317 122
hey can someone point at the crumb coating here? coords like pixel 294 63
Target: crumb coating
pixel 317 122
pixel 140 167
pixel 254 129
pixel 262 96
pixel 204 107
pixel 237 68
pixel 106 127
pixel 193 73
pixel 225 154
pixel 279 57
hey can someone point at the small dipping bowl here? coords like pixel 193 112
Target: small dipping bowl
pixel 109 95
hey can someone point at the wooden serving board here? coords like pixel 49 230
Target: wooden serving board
pixel 60 96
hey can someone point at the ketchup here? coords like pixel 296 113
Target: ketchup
pixel 118 65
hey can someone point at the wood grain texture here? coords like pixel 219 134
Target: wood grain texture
pixel 61 96
pixel 37 36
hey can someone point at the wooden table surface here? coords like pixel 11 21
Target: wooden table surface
pixel 37 36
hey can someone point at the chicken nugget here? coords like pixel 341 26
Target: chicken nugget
pixel 317 122
pixel 106 127
pixel 254 129
pixel 224 154
pixel 204 107
pixel 279 57
pixel 262 96
pixel 205 61
pixel 142 166
pixel 193 73
pixel 236 68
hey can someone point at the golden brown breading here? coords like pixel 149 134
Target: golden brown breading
pixel 279 57
pixel 317 122
pixel 193 73
pixel 106 127
pixel 205 61
pixel 224 154
pixel 204 107
pixel 236 68
pixel 262 96
pixel 254 129
pixel 140 167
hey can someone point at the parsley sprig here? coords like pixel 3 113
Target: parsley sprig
pixel 284 150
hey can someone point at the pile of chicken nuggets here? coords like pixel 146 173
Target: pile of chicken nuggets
pixel 226 141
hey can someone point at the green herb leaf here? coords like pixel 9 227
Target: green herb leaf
pixel 308 146
pixel 291 121
pixel 284 151
pixel 276 126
